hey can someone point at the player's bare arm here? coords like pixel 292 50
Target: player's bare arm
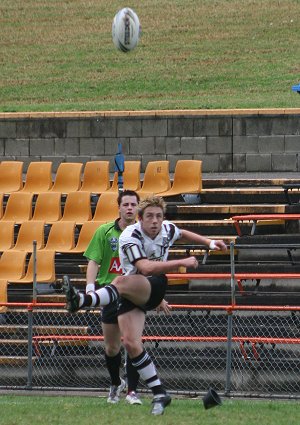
pixel 149 267
pixel 215 244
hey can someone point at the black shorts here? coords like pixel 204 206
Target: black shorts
pixel 110 313
pixel 158 290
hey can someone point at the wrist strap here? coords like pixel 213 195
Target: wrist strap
pixel 212 244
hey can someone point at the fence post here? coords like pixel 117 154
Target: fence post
pixel 228 352
pixel 229 321
pixel 30 352
pixel 232 271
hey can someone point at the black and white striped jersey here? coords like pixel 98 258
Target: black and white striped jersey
pixel 134 245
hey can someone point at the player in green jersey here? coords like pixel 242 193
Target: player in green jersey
pixel 103 266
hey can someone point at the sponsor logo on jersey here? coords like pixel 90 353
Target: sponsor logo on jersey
pixel 115 266
pixel 114 244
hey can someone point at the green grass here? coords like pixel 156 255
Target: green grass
pixel 58 55
pixel 70 410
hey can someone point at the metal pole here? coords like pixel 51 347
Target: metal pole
pixel 119 167
pixel 30 352
pixel 232 271
pixel 229 321
pixel 34 286
pixel 229 351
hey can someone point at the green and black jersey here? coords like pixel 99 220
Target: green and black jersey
pixel 104 250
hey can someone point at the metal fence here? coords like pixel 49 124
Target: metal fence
pixel 236 350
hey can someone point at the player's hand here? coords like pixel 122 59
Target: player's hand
pixel 164 307
pixel 217 245
pixel 190 262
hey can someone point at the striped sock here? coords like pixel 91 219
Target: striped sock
pixel 147 372
pixel 88 300
pixel 107 295
pixel 101 297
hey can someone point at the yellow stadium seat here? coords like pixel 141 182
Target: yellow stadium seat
pixel 7 239
pixel 187 178
pixel 30 231
pixel 156 177
pixel 77 207
pixel 131 177
pixel 1 205
pixel 11 176
pixel 18 207
pixel 61 237
pixel 3 295
pixel 12 265
pixel 38 177
pixel 67 178
pixel 85 235
pixel 107 207
pixel 48 207
pixel 95 177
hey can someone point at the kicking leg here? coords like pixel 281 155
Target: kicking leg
pixel 135 288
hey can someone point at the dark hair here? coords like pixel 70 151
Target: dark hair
pixel 127 192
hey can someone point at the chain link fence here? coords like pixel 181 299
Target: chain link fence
pixel 235 350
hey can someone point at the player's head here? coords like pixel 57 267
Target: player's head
pixel 127 193
pixel 151 214
pixel 128 202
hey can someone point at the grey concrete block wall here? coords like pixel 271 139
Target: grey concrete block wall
pixel 225 141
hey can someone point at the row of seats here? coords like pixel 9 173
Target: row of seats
pixel 64 237
pixel 50 207
pixel 94 177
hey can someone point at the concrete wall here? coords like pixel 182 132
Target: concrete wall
pixel 225 140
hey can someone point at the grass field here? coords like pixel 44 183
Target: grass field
pixel 58 55
pixel 70 410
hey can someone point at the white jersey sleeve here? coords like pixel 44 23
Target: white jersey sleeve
pixel 131 248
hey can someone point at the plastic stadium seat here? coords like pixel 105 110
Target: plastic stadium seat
pixel 12 265
pixel 18 207
pixel 131 177
pixel 48 207
pixel 45 268
pixel 3 295
pixel 11 176
pixel 85 235
pixel 7 240
pixel 95 177
pixel 107 208
pixel 30 231
pixel 144 195
pixel 67 178
pixel 77 207
pixel 61 237
pixel 38 178
pixel 1 205
pixel 156 177
pixel 187 178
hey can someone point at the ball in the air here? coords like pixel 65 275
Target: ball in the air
pixel 126 30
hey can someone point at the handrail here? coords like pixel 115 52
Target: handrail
pixel 225 307
pixel 262 340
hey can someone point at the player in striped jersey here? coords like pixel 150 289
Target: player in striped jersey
pixel 143 251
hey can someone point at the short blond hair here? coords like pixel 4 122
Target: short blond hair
pixel 151 201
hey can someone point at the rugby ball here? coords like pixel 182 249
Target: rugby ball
pixel 126 30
